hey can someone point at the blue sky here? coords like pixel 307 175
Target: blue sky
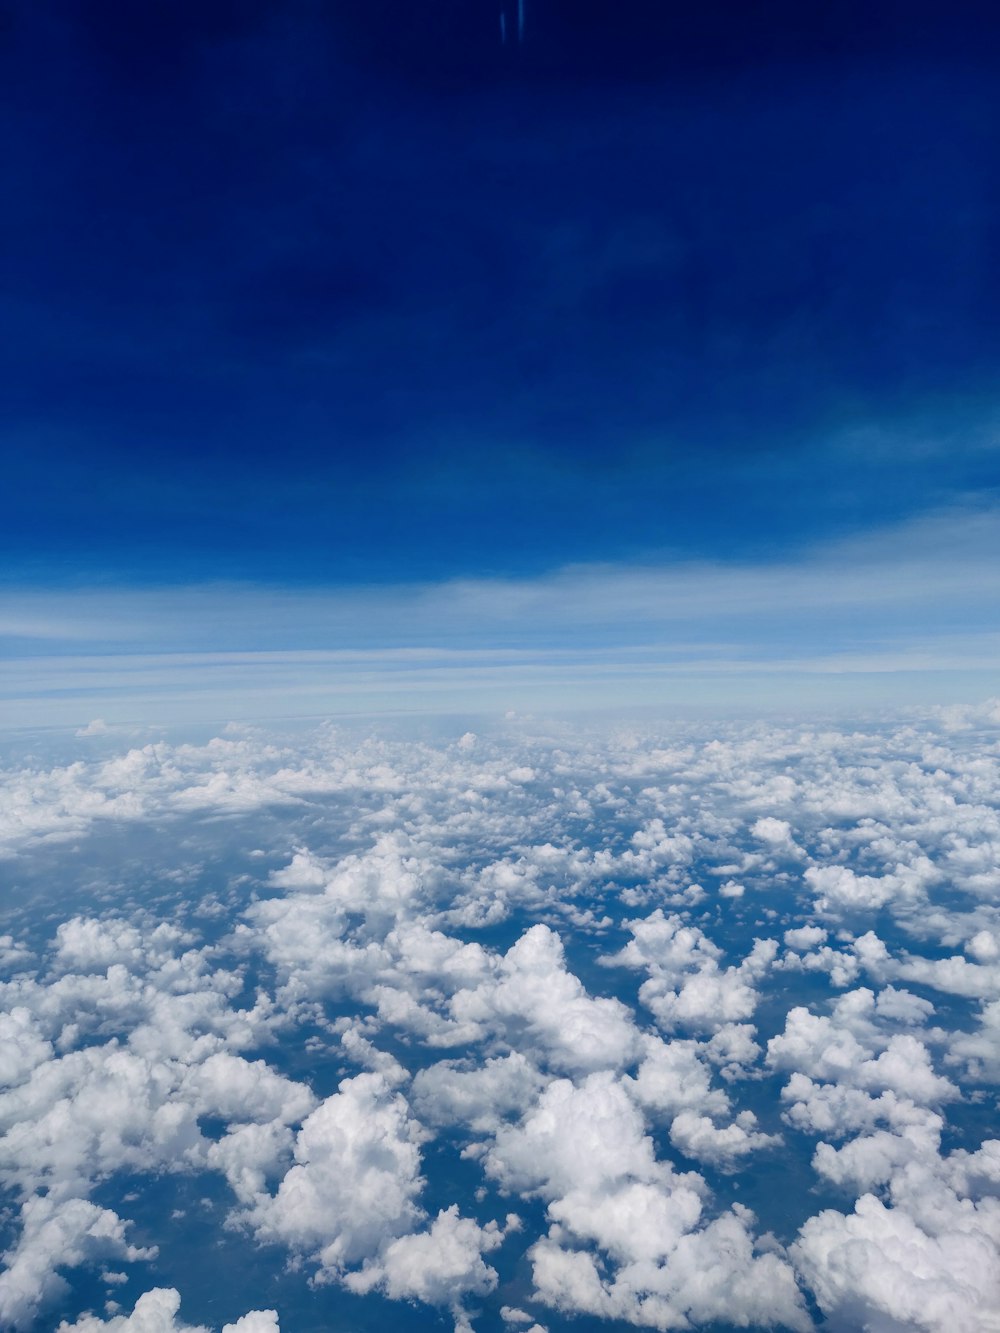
pixel 308 302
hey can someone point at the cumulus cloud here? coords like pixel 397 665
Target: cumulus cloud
pixel 673 1076
pixel 877 1266
pixel 823 1049
pixel 95 727
pixel 57 1234
pixel 439 1266
pixel 583 1148
pixel 805 938
pixel 355 1181
pixel 480 1097
pixel 534 992
pixel 696 1136
pixel 156 1312
pixel 507 936
pixel 687 988
pixel 712 1275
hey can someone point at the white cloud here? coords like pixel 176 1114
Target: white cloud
pixel 687 988
pixel 156 1312
pixel 672 1077
pixel 878 1267
pixel 577 1137
pixel 438 1266
pixel 22 1046
pixel 356 1178
pixel 536 995
pixel 830 1051
pixel 712 1275
pixel 775 832
pixel 696 1136
pixel 835 1110
pixel 362 931
pixel 804 938
pixel 874 1159
pixel 57 1234
pixel 984 947
pixel 95 727
pixel 481 1097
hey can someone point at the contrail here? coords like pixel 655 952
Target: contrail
pixel 520 21
pixel 503 28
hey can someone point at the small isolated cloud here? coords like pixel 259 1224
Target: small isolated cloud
pixel 96 727
pixel 804 938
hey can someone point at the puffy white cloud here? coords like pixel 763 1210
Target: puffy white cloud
pixel 57 1234
pixel 696 1136
pixel 979 1049
pixel 86 944
pixel 733 1048
pixel 635 1222
pixel 257 1321
pixel 905 1067
pixel 355 1181
pixel 829 1051
pixel 480 1097
pixel 955 975
pixel 236 1089
pixel 840 889
pixel 875 1159
pixel 89 1114
pixel 984 947
pixel 583 1148
pixel 438 1266
pixel 687 988
pixel 775 832
pixel 250 1155
pixel 878 1268
pixel 711 1275
pixel 578 1137
pixel 95 727
pixel 123 1035
pixel 978 1171
pixel 672 1077
pixel 843 968
pixel 22 1046
pixel 535 998
pixel 835 1110
pixel 156 1312
pixel 805 937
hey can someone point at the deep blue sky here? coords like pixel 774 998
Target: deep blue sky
pixel 327 293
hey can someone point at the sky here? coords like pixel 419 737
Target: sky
pixel 356 328
pixel 499 590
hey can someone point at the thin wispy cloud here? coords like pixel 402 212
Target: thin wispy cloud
pixel 919 599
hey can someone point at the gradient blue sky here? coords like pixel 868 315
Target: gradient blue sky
pixel 312 311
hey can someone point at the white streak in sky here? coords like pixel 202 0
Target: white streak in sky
pixel 520 21
pixel 916 601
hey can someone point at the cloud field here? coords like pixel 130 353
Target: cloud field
pixel 667 1027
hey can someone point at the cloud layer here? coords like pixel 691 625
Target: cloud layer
pixel 618 981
